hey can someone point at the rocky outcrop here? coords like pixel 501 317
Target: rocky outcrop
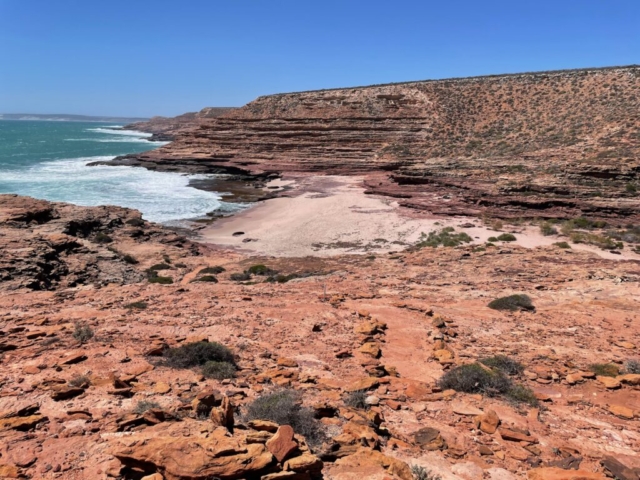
pixel 550 144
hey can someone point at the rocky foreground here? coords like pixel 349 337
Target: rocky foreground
pixel 548 145
pixel 93 300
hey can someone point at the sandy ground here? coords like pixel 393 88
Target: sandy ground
pixel 330 215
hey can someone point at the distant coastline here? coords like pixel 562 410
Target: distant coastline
pixel 63 117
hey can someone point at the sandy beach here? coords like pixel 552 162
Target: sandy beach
pixel 331 215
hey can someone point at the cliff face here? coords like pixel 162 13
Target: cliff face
pixel 542 144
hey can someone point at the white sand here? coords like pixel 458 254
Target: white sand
pixel 330 215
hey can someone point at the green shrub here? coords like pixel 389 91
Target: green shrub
pixel 473 378
pixel 159 266
pixel 504 364
pixel 82 333
pixel 631 188
pixel 562 245
pixel 219 370
pixel 521 394
pixel 356 399
pixel 445 237
pixel 507 237
pixel 137 305
pixel 211 271
pixel 492 239
pixel 161 280
pixel 206 278
pixel 512 303
pixel 547 229
pixel 197 354
pixel 600 241
pixel 421 473
pixel 103 238
pixel 605 369
pixel 284 408
pixel 144 405
pixel 240 277
pixel 260 270
pixel 130 259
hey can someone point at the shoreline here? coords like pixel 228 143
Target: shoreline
pixel 325 216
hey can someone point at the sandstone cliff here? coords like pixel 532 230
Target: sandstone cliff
pixel 550 144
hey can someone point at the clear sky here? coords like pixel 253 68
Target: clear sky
pixel 161 57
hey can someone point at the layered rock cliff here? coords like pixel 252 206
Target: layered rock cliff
pixel 550 144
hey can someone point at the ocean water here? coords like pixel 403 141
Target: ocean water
pixel 49 160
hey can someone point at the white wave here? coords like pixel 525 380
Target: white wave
pixel 132 133
pixel 160 196
pixel 116 140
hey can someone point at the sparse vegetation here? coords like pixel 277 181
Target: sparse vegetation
pixel 161 280
pixel 285 408
pixel 206 278
pixel 260 270
pixel 503 363
pixel 605 369
pixel 135 222
pixel 356 399
pixel 240 277
pixel 421 473
pixel 159 266
pixel 130 259
pixel 211 270
pixel 445 237
pixel 80 381
pixel 632 366
pixel 547 229
pixel 562 245
pixel 506 237
pixel 512 303
pixel 140 305
pixel 600 241
pixel 219 370
pixel 196 354
pixel 144 405
pixel 473 378
pixel 521 394
pixel 82 333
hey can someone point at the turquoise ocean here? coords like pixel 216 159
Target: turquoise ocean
pixel 48 160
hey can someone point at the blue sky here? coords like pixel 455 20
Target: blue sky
pixel 143 58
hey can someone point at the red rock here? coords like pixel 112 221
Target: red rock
pixel 488 422
pixel 282 445
pixel 515 436
pixel 554 473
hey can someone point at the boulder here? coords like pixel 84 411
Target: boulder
pixel 488 422
pixel 282 444
pixel 429 439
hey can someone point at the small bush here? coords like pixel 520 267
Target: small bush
pixel 159 266
pixel 562 245
pixel 206 278
pixel 504 364
pixel 261 270
pixel 103 238
pixel 421 473
pixel 130 259
pixel 492 239
pixel 600 241
pixel 284 408
pixel 144 405
pixel 80 381
pixel 521 394
pixel 631 188
pixel 219 370
pixel 445 237
pixel 240 277
pixel 473 378
pixel 512 303
pixel 161 280
pixel 605 369
pixel 356 399
pixel 632 366
pixel 547 229
pixel 507 237
pixel 137 305
pixel 211 271
pixel 82 333
pixel 197 354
